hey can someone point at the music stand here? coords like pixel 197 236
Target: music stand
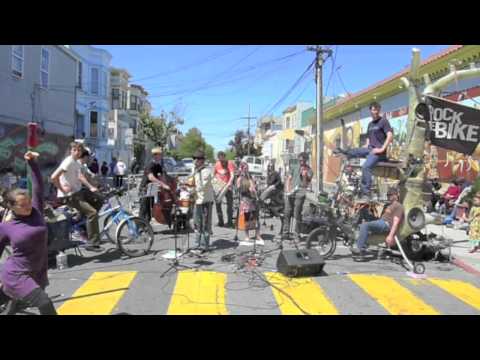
pixel 175 263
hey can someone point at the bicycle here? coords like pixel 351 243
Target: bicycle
pixel 341 217
pixel 133 236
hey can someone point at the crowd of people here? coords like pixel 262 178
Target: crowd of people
pixel 24 275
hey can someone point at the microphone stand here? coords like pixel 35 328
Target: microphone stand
pixel 175 263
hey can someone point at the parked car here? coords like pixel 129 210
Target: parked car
pixel 181 167
pixel 169 164
pixel 188 163
pixel 255 165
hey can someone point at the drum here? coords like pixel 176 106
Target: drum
pixel 185 202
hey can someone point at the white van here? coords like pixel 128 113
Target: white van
pixel 255 165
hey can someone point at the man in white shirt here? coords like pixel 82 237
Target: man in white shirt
pixel 68 178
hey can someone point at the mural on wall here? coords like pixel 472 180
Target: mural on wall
pixel 442 164
pixel 52 149
pixel 332 140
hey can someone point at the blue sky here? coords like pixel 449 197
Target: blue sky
pixel 212 86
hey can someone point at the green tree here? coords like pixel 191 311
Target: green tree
pixel 239 145
pixel 158 129
pixel 229 154
pixel 193 141
pixel 139 152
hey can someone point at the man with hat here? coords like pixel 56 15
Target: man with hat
pixel 152 174
pixel 389 223
pixel 300 179
pixel 204 198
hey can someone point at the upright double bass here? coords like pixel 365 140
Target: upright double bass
pixel 163 206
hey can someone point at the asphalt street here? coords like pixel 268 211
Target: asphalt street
pixel 223 282
pixel 110 283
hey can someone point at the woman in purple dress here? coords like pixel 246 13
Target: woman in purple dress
pixel 24 274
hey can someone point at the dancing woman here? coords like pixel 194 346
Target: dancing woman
pixel 24 275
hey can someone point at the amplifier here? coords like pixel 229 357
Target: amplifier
pixel 298 263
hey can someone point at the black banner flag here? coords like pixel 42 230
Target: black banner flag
pixel 450 125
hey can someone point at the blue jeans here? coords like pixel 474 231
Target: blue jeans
pixel 372 227
pixel 368 165
pixel 202 215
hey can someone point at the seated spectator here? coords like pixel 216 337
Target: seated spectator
pixel 450 196
pixel 388 224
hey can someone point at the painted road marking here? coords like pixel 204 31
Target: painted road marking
pixel 305 292
pixel 199 293
pixel 99 294
pixel 466 292
pixel 396 299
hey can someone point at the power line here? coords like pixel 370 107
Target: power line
pixel 332 72
pixel 246 69
pixel 233 78
pixel 304 89
pixel 341 81
pixel 213 82
pixel 289 91
pixel 186 67
pixel 255 80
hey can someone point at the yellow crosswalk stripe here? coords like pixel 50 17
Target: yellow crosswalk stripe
pixel 99 294
pixel 199 293
pixel 461 290
pixel 395 298
pixel 306 293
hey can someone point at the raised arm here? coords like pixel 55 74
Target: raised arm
pixel 37 181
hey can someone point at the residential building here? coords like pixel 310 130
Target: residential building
pixel 292 135
pixel 138 105
pixel 93 104
pixel 121 124
pixel 37 84
pixel 266 136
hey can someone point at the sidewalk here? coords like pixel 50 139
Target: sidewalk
pixel 460 245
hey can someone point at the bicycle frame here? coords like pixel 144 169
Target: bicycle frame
pixel 118 211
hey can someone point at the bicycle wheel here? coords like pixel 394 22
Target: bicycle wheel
pixel 322 240
pixel 134 237
pixel 111 234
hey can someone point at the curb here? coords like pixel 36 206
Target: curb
pixel 463 265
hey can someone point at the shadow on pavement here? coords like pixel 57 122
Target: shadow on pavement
pixel 223 244
pixel 106 257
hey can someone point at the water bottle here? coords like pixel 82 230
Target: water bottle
pixel 62 261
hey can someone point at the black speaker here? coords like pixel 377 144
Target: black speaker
pixel 298 263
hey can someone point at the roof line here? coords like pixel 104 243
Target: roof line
pixel 399 74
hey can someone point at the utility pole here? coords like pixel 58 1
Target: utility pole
pixel 248 131
pixel 319 133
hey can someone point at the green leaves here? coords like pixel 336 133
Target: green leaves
pixel 191 142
